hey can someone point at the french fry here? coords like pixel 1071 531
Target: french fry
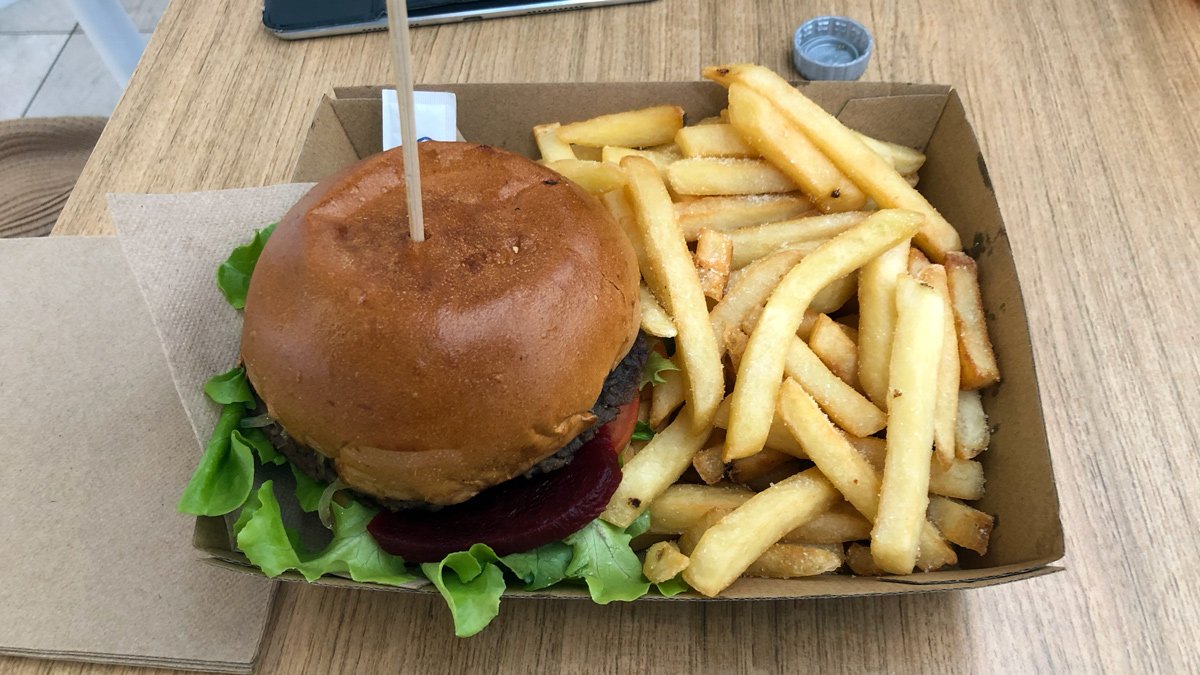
pixel 713 140
pixel 678 287
pixel 618 205
pixel 750 290
pixel 714 253
pixel 655 320
pixel 806 324
pixel 666 397
pixel 733 343
pixel 790 561
pixel 775 475
pixel 848 408
pixel 912 397
pixel 551 147
pixel 916 262
pixel 730 213
pixel 595 177
pixel 708 465
pixel 872 449
pixel 704 176
pixel 848 470
pixel 972 434
pixel 690 537
pixel 662 156
pixel 963 479
pixel 781 142
pixel 778 437
pixel 748 469
pixel 654 469
pixel 979 368
pixel 679 507
pixel 877 320
pixel 961 524
pixel 587 153
pixel 634 128
pixel 729 547
pixel 839 524
pixel 946 409
pixel 870 172
pixel 904 160
pixel 754 395
pixel 715 119
pixel 861 562
pixel 835 295
pixel 663 562
pixel 836 350
pixel 753 242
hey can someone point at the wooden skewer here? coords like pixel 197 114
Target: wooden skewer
pixel 397 11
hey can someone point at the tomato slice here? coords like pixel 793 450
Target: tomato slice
pixel 620 430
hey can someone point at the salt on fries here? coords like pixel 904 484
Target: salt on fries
pixel 678 286
pixel 851 338
pixel 782 142
pixel 870 172
pixel 754 396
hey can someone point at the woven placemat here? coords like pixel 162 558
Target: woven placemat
pixel 40 160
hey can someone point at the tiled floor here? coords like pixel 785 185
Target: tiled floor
pixel 47 65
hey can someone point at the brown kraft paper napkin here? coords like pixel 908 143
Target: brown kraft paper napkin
pixel 174 243
pixel 95 450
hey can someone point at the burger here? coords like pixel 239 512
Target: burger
pixel 475 386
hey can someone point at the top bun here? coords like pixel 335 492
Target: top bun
pixel 430 371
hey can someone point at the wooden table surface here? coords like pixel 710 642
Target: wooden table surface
pixel 1087 112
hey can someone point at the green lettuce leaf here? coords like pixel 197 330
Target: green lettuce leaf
pixel 225 474
pixel 472 588
pixel 256 440
pixel 354 551
pixel 656 364
pixel 308 491
pixel 672 587
pixel 542 567
pixel 642 431
pixel 603 559
pixel 229 387
pixel 261 535
pixel 639 524
pixel 233 275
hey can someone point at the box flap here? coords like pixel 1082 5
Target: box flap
pixel 326 147
pixel 908 119
pixel 1020 479
pixel 504 114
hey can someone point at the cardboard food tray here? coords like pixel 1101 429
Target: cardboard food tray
pixel 1020 483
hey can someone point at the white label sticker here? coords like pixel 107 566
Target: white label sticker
pixel 436 113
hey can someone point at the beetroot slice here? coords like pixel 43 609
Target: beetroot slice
pixel 515 516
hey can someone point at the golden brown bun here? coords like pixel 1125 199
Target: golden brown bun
pixel 429 371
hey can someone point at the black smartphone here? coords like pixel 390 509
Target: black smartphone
pixel 298 19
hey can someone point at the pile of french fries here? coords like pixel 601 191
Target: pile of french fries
pixel 828 333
